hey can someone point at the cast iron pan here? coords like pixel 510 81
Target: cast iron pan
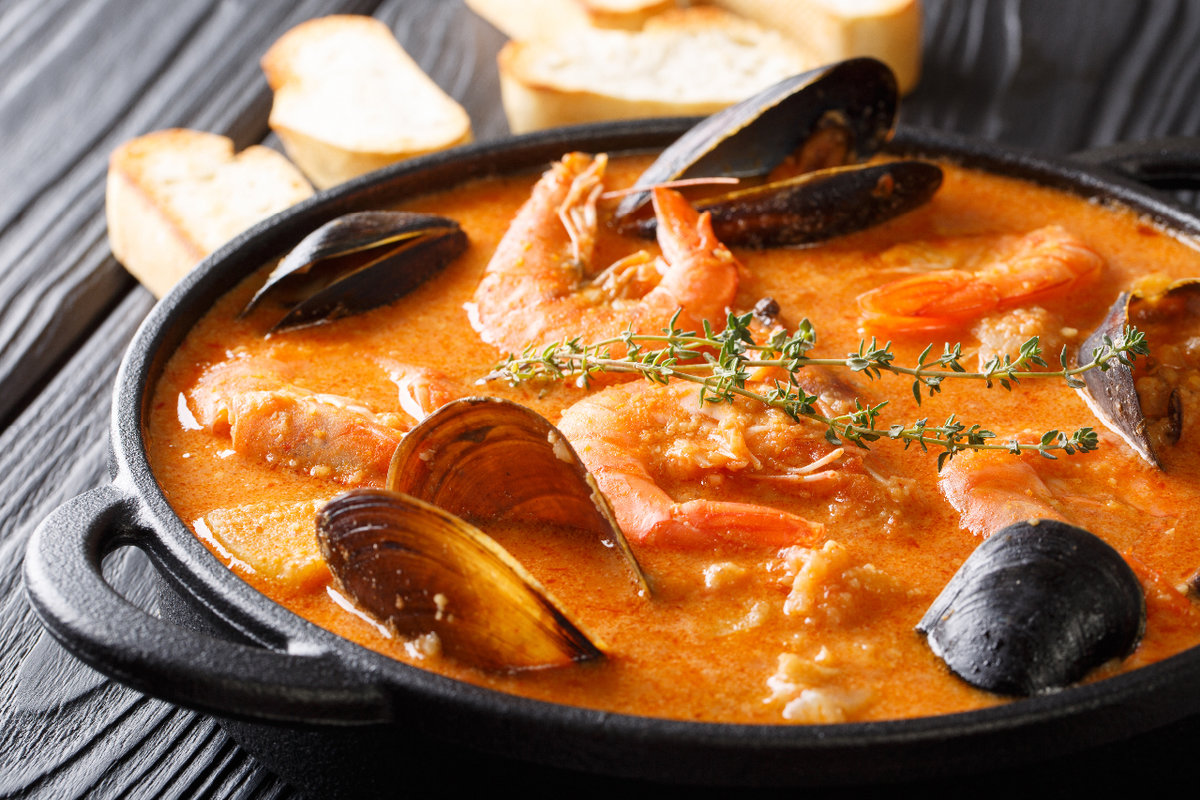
pixel 317 707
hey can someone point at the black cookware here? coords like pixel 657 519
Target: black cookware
pixel 332 715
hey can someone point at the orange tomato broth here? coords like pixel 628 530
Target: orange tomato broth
pixel 705 645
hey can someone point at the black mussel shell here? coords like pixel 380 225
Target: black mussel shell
pixel 845 110
pixel 421 570
pixel 484 458
pixel 358 262
pixel 1112 393
pixel 818 205
pixel 1035 608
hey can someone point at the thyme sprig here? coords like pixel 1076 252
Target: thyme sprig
pixel 721 364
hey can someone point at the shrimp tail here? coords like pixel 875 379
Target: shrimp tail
pixel 1018 271
pixel 700 523
pixel 928 302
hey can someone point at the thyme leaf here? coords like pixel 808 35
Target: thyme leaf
pixel 722 362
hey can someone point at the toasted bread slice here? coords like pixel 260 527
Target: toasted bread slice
pixel 630 15
pixel 833 30
pixel 686 61
pixel 551 19
pixel 174 196
pixel 349 100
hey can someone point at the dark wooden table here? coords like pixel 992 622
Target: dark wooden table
pixel 78 77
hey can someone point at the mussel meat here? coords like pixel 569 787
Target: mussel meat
pixel 357 262
pixel 485 458
pixel 422 570
pixel 823 119
pixel 1168 316
pixel 1035 608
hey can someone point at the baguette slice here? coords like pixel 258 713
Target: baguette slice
pixel 630 15
pixel 833 30
pixel 684 62
pixel 349 100
pixel 176 195
pixel 550 19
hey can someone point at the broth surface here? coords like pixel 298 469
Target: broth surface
pixel 730 634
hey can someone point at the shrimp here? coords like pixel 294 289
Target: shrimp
pixel 268 417
pixel 1017 271
pixel 421 391
pixel 635 437
pixel 541 284
pixel 991 490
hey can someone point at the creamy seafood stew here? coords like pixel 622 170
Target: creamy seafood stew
pixel 815 624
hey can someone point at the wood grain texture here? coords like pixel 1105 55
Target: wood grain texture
pixel 81 76
pixel 104 72
pixel 1059 77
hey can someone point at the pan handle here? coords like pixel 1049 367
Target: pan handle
pixel 86 615
pixel 1169 163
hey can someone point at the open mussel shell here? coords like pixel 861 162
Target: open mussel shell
pixel 485 458
pixel 421 570
pixel 358 262
pixel 1112 394
pixel 1035 608
pixel 818 205
pixel 830 116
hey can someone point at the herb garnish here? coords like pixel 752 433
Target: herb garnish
pixel 720 363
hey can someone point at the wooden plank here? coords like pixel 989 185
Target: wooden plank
pixel 93 736
pixel 150 65
pixel 67 731
pixel 1059 77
